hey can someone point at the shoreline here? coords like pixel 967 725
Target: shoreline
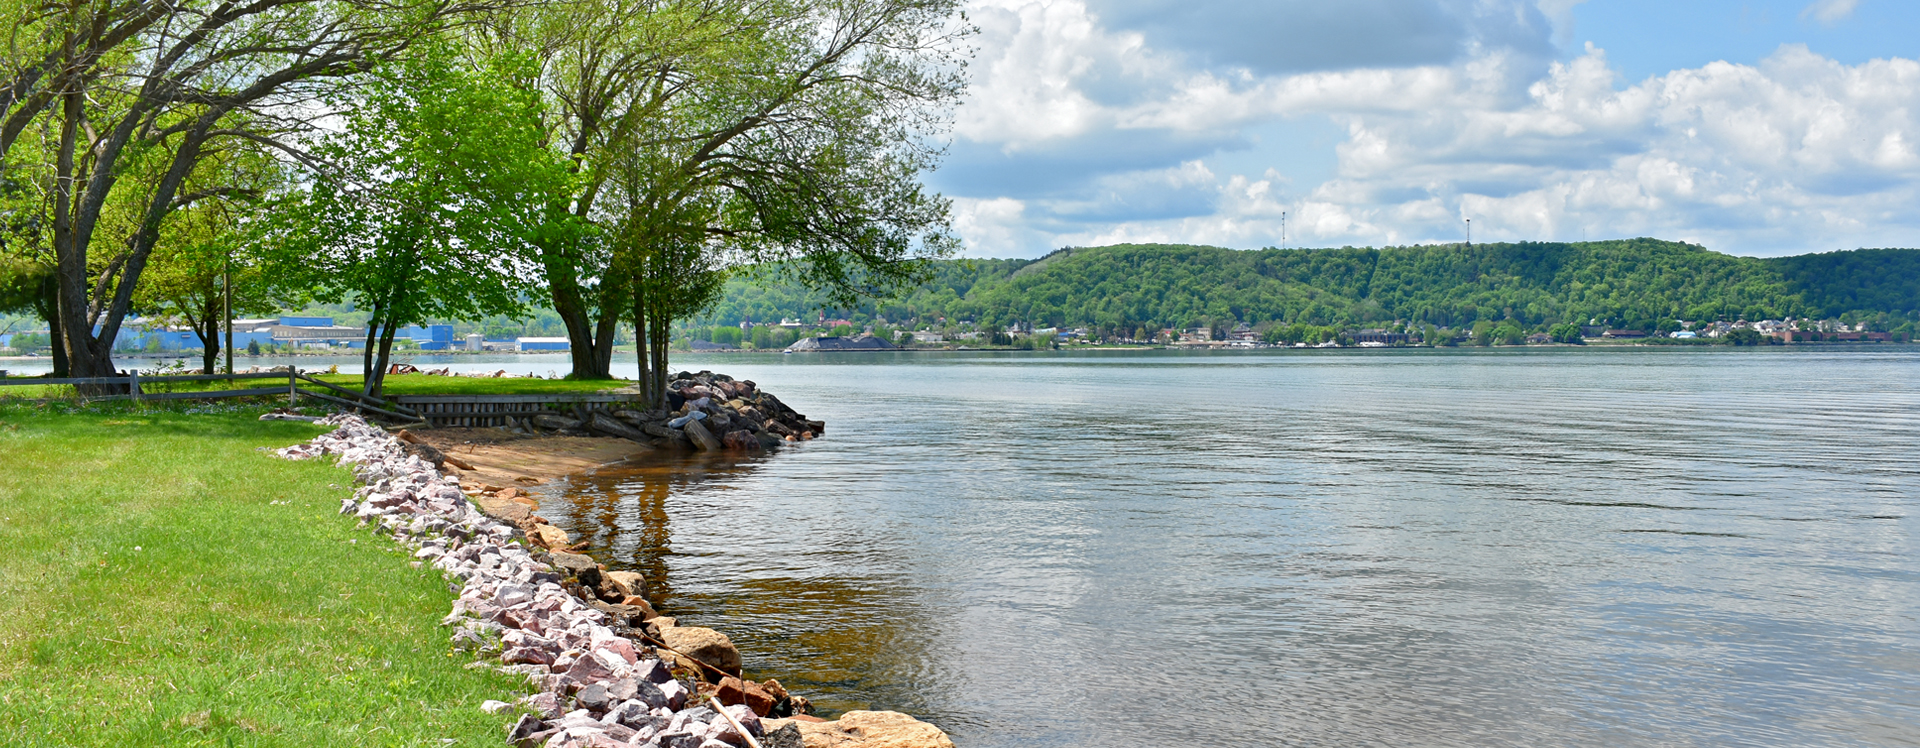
pixel 496 466
pixel 606 674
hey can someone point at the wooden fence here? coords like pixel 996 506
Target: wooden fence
pixel 494 410
pixel 130 388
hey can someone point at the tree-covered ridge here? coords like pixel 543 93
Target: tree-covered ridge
pixel 1633 282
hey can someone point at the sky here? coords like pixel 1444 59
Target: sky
pixel 1755 128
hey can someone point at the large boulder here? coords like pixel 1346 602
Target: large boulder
pixel 703 644
pixel 554 422
pixel 701 437
pixel 607 424
pixel 629 583
pixel 572 563
pixel 861 729
pixel 549 536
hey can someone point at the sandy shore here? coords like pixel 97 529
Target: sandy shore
pixel 504 459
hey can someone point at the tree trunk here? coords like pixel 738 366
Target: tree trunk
pixel 379 380
pixel 48 306
pixel 366 350
pixel 640 351
pixel 592 358
pixel 207 329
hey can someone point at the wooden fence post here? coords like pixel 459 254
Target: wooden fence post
pixel 133 384
pixel 291 392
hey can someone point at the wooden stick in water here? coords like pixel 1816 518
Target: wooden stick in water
pixel 718 707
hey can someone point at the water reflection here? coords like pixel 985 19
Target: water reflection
pixel 844 639
pixel 1436 548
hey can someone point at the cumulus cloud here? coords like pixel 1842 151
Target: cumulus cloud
pixel 1094 124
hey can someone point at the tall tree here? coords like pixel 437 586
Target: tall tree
pixel 424 206
pixel 802 150
pixel 801 125
pixel 146 80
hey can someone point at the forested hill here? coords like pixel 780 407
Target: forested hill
pixel 1628 282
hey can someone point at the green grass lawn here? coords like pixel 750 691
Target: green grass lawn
pixel 164 583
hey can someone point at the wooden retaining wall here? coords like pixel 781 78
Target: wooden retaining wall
pixel 494 410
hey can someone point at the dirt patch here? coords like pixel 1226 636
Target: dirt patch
pixel 506 459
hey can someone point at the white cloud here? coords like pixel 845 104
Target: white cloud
pixel 1107 139
pixel 1830 11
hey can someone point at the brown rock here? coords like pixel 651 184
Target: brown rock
pixel 703 644
pixel 643 609
pixel 741 440
pixel 549 536
pixel 508 493
pixel 862 729
pixel 628 583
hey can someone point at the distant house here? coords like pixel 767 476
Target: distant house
pixel 1683 334
pixel 841 343
pixel 1539 338
pixel 928 337
pixel 317 332
pixel 545 344
pixel 1381 336
pixel 1623 334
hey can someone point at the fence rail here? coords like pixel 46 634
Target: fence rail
pixel 131 386
pixel 498 410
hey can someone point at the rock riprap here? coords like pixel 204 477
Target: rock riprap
pixel 550 616
pixel 595 686
pixel 702 411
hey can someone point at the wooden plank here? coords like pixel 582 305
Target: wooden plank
pixel 355 394
pixel 560 397
pixel 354 404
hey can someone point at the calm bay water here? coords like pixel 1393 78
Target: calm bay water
pixel 1410 548
pixel 1419 548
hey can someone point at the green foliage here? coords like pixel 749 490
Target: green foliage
pixel 1565 332
pixel 433 190
pixel 30 341
pixel 1125 289
pixel 1743 336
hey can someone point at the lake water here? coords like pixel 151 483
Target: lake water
pixel 1560 547
pixel 1409 548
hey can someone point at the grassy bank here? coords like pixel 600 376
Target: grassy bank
pixel 164 583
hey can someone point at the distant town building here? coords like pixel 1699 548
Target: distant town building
pixel 544 344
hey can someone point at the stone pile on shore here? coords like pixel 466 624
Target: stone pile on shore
pixel 550 616
pixel 703 411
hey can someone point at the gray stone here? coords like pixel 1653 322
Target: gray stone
pixel 611 426
pixel 594 698
pixel 652 671
pixel 573 563
pixel 555 423
pixel 527 725
pixel 701 437
pixel 527 656
pixel 788 736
